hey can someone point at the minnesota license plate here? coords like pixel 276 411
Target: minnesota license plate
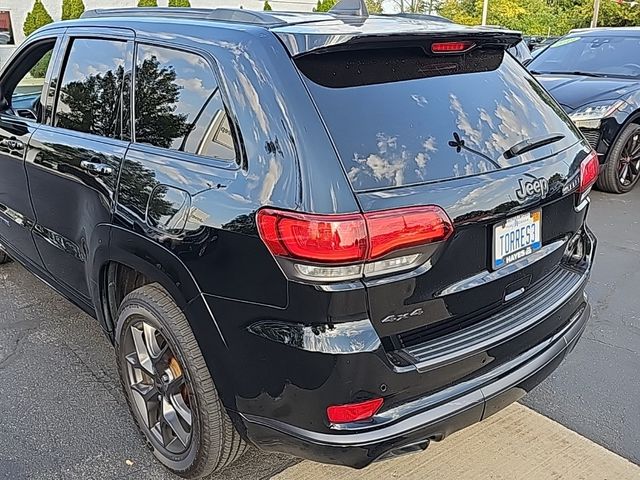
pixel 516 237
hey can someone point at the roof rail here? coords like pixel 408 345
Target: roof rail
pixel 220 14
pixel 352 8
pixel 421 16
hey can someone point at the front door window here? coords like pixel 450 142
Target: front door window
pixel 22 89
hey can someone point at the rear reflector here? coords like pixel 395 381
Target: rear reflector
pixel 354 412
pixel 451 47
pixel 352 238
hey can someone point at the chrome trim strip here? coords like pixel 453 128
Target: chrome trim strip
pixel 496 329
pixel 486 276
pixel 60 242
pixel 583 204
pixel 14 216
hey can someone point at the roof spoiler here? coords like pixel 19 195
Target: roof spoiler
pixel 352 8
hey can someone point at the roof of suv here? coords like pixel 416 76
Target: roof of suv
pixel 612 31
pixel 301 32
pixel 266 19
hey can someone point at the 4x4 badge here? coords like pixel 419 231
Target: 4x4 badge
pixel 402 316
pixel 538 186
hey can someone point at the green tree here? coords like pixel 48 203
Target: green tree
pixel 534 17
pixel 612 14
pixel 39 70
pixel 36 18
pixel 147 3
pixel 72 9
pixel 324 5
pixel 374 6
pixel 180 3
pixel 267 7
pixel 541 17
pixel 413 6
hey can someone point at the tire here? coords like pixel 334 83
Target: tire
pixel 213 441
pixel 609 178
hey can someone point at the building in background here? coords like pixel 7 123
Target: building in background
pixel 14 12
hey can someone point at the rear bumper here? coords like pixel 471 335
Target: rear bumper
pixel 420 421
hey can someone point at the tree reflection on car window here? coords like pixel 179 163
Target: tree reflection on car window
pixel 178 104
pixel 92 87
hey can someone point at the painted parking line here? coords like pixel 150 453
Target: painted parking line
pixel 515 444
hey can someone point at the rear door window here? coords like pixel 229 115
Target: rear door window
pixel 401 118
pixel 178 104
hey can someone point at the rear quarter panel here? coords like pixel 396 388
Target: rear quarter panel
pixel 287 161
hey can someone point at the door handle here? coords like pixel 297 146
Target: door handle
pixel 12 144
pixel 96 168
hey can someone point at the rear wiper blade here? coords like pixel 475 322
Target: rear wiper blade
pixel 531 144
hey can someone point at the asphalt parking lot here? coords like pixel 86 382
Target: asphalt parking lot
pixel 64 416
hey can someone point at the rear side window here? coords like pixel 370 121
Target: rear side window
pixel 401 117
pixel 178 104
pixel 521 52
pixel 91 90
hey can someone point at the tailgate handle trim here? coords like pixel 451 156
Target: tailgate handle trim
pixel 487 276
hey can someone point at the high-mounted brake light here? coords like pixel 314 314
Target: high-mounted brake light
pixel 354 412
pixel 340 247
pixel 589 169
pixel 451 47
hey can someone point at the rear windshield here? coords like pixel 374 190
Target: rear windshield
pixel 430 119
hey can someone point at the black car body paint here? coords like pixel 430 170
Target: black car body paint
pixel 282 350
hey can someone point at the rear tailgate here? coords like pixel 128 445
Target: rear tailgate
pixel 414 127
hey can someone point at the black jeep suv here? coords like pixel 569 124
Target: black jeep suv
pixel 336 235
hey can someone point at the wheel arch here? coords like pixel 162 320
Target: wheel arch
pixel 159 265
pixel 141 255
pixel 624 122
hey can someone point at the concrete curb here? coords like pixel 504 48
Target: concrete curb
pixel 515 444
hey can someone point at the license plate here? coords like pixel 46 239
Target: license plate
pixel 516 237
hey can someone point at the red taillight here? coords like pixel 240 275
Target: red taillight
pixel 391 230
pixel 451 47
pixel 354 412
pixel 589 169
pixel 319 238
pixel 350 238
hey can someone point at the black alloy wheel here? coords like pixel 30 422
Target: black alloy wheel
pixel 169 388
pixel 621 170
pixel 629 163
pixel 159 388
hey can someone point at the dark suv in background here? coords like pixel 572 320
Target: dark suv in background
pixel 335 235
pixel 595 76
